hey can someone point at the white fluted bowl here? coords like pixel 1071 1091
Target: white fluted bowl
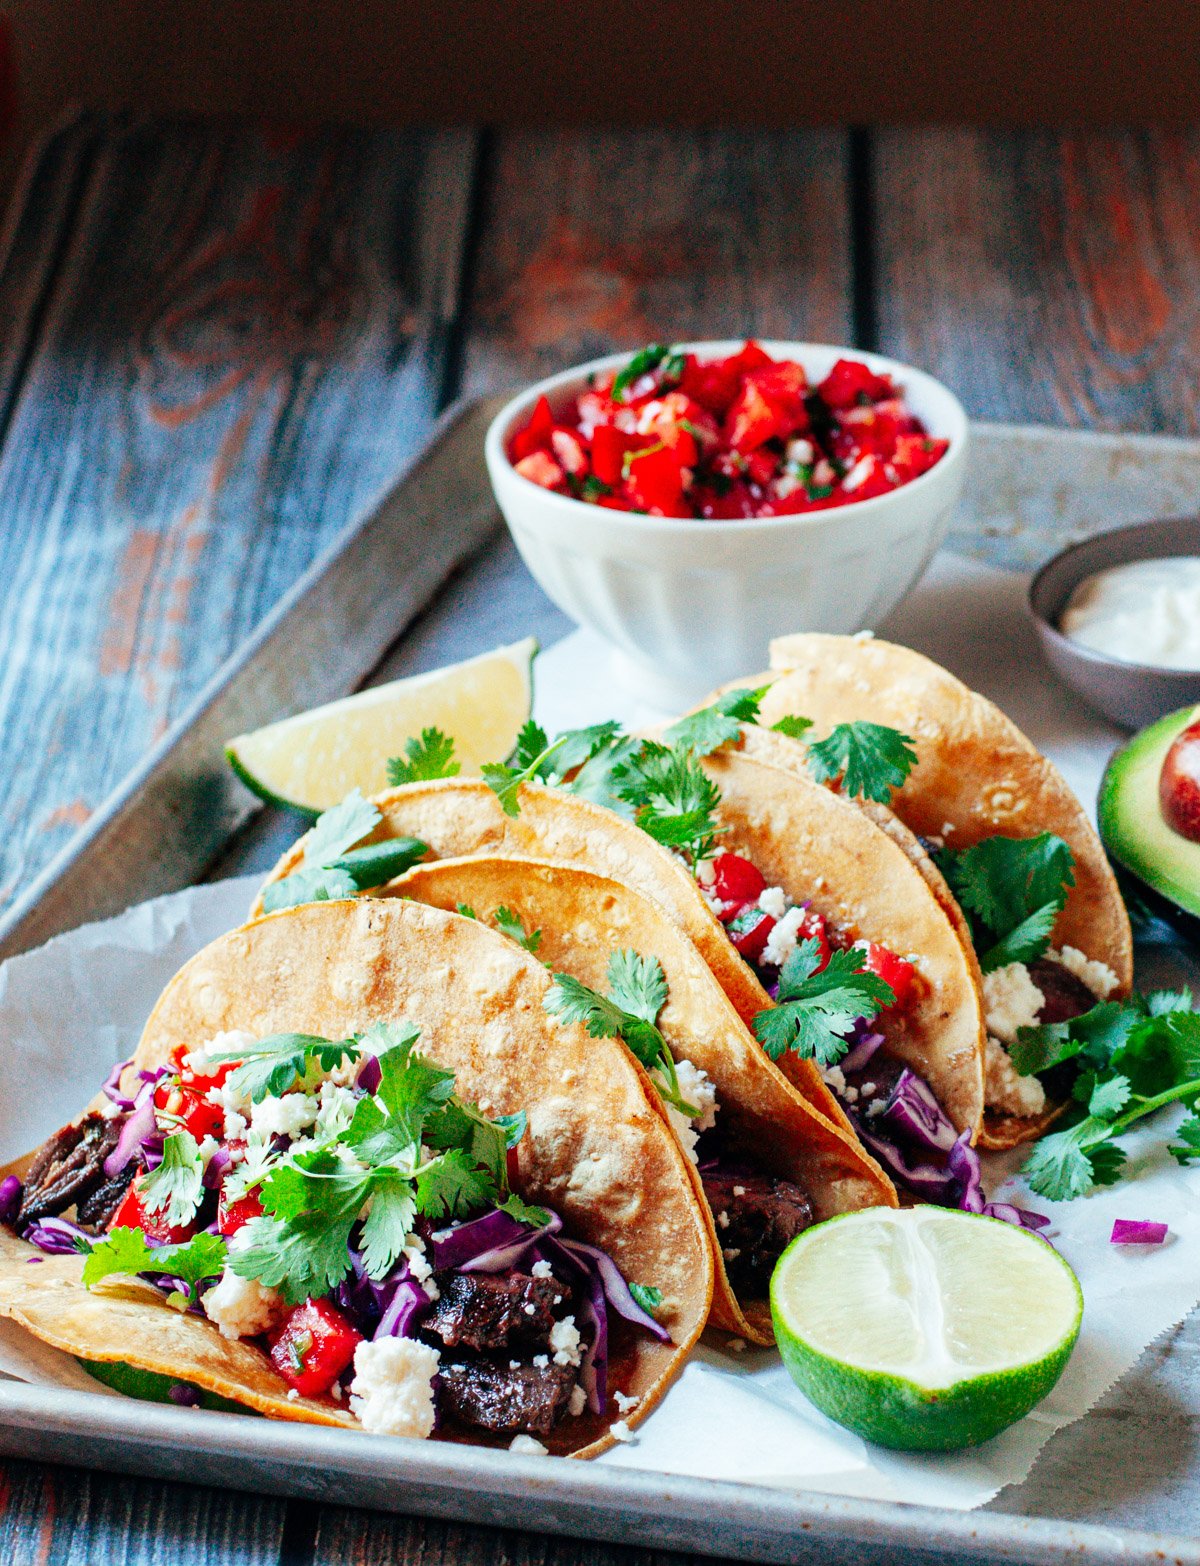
pixel 687 604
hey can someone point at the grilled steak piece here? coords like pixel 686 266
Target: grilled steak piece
pixel 757 1219
pixel 1063 995
pixel 479 1311
pixel 491 1395
pixel 68 1167
pixel 95 1210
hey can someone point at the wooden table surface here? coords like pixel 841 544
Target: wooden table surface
pixel 219 342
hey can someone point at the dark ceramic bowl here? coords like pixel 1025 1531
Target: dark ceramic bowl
pixel 1131 694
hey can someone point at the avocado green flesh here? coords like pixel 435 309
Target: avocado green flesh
pixel 1131 819
pixel 150 1387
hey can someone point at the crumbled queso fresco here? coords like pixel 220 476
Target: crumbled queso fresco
pixel 392 1390
pixel 695 1087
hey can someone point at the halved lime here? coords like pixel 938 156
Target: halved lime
pixel 924 1329
pixel 310 761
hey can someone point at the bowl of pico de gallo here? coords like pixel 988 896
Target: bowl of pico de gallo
pixel 689 502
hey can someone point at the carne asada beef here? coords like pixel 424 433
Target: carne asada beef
pixel 68 1168
pixel 95 1210
pixel 492 1395
pixel 478 1310
pixel 1064 997
pixel 757 1219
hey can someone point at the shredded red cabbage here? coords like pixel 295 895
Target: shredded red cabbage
pixel 913 1113
pixel 370 1074
pixel 862 1051
pixel 112 1085
pixel 1137 1231
pixel 57 1236
pixel 10 1198
pixel 493 1243
pixel 140 1126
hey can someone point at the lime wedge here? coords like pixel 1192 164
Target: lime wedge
pixel 924 1329
pixel 310 761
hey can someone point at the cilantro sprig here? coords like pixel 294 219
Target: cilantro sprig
pixel 425 759
pixel 1012 890
pixel 125 1252
pixel 509 923
pixel 673 799
pixel 1135 1057
pixel 269 1068
pixel 817 1009
pixel 333 867
pixel 720 724
pixel 637 992
pixel 869 759
pixel 413 1148
pixel 176 1188
pixel 669 362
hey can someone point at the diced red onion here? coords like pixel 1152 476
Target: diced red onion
pixel 370 1074
pixel 10 1198
pixel 1137 1231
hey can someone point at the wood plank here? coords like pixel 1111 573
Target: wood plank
pixel 346 1538
pixel 1046 276
pixel 596 240
pixel 68 1517
pixel 247 337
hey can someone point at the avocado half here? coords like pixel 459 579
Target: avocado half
pixel 1131 819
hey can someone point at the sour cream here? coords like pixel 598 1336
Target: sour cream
pixel 1145 612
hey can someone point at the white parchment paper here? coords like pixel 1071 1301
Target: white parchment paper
pixel 71 1009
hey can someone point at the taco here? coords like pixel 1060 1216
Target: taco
pixel 773 879
pixel 765 1164
pixel 356 1174
pixel 1039 902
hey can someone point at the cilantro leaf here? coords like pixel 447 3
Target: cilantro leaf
pixel 1026 942
pixel 1001 881
pixel 424 759
pixel 646 359
pixel 452 1187
pixel 707 730
pixel 125 1251
pixel 816 1010
pixel 870 759
pixel 519 1209
pixel 637 992
pixel 513 1126
pixel 383 1037
pixel 637 984
pixel 355 872
pixel 505 778
pixel 276 1063
pixel 339 828
pixel 1068 1163
pixel 792 725
pixel 1108 1096
pixel 1188 1147
pixel 674 799
pixel 176 1187
pixel 308 1255
pixel 597 778
pixel 532 743
pixel 387 1225
pixel 578 746
pixel 509 924
pixel 1097 1035
pixel 647 1296
pixel 466 910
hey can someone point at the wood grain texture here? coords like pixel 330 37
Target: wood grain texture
pixel 66 1517
pixel 592 241
pixel 246 337
pixel 1047 277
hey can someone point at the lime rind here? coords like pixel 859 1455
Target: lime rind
pixel 887 1406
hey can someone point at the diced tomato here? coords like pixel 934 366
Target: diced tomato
pixel 895 971
pixel 753 419
pixel 726 504
pixel 609 446
pixel 850 380
pixel 541 469
pixel 736 880
pixel 913 455
pixel 750 356
pixel 536 434
pixel 785 387
pixel 313 1346
pixel 761 465
pixel 713 385
pixel 132 1214
pixel 749 930
pixel 654 480
pixel 232 1215
pixel 813 928
pixel 189 1107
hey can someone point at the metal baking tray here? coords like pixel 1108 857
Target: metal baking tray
pixel 173 819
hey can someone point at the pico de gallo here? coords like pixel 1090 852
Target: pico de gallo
pixel 673 435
